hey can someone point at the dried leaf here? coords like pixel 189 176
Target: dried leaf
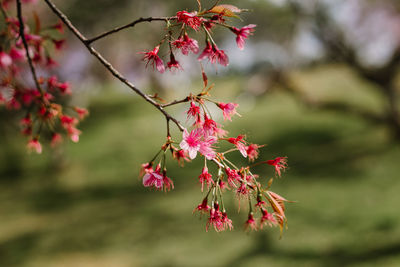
pixel 226 10
pixel 37 22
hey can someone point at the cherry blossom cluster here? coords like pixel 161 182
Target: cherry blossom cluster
pixel 202 20
pixel 37 100
pixel 204 136
pixel 26 51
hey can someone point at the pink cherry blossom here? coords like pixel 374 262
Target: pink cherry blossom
pixel 227 223
pixel 151 57
pixel 5 60
pixel 215 219
pixel 205 178
pixel 252 151
pixel 242 34
pixel 153 178
pixel 251 223
pixel 189 19
pixel 82 112
pixel 214 55
pixel 193 111
pixel 34 145
pixel 232 176
pixel 228 110
pixel 203 206
pixel 240 144
pixel 280 163
pixel 186 44
pixel 267 219
pixel 206 147
pixel 173 63
pixel 56 139
pixel 191 142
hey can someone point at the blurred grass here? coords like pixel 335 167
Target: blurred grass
pixel 85 205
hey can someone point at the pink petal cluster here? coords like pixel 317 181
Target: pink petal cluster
pixel 214 55
pixel 152 58
pixel 205 178
pixel 280 163
pixel 242 34
pixel 189 19
pixel 228 110
pixel 197 141
pixel 186 44
pixel 34 145
pixel 240 144
pixel 154 178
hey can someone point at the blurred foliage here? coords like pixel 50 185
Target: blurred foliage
pixel 92 210
pixel 84 205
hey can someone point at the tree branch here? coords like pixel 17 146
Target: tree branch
pixel 132 24
pixel 108 65
pixel 28 56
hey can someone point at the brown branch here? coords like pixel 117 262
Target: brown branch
pixel 108 65
pixel 131 24
pixel 186 99
pixel 28 56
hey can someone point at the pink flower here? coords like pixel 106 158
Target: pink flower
pixel 232 176
pixel 191 142
pixel 194 111
pixel 168 184
pixel 214 55
pixel 146 168
pixel 227 223
pixel 58 44
pixel 56 139
pixel 205 178
pixel 173 63
pixel 26 121
pixel 5 60
pixel 73 133
pixel 154 60
pixel 17 54
pixel 34 145
pixel 206 147
pixel 186 44
pixel 82 112
pixel 280 163
pixel 268 219
pixel 154 178
pixel 181 156
pixel 252 151
pixel 240 144
pixel 215 219
pixel 203 206
pixel 59 27
pixel 251 223
pixel 242 34
pixel 228 110
pixel 242 190
pixel 209 125
pixel 189 19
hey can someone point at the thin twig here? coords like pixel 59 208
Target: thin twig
pixel 108 65
pixel 28 56
pixel 186 99
pixel 131 24
pixel 3 11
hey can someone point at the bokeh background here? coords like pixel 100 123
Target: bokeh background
pixel 318 82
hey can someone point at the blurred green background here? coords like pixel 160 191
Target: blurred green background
pixel 84 204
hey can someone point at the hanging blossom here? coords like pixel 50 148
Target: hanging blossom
pixel 151 57
pixel 242 34
pixel 43 101
pixel 200 138
pixel 214 55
